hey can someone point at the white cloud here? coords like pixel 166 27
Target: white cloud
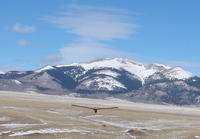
pixel 23 29
pixel 23 43
pixel 105 9
pixel 94 23
pixel 85 51
pixel 93 26
pixel 88 51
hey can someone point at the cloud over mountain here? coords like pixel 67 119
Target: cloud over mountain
pixel 93 26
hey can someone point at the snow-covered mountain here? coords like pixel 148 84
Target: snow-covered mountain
pixel 47 67
pixel 105 77
pixel 1 72
pixel 138 69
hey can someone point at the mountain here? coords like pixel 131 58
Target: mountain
pixel 109 77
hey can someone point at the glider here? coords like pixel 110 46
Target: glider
pixel 95 109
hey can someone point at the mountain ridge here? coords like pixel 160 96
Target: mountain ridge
pixel 109 77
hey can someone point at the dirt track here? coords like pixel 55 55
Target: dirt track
pixel 42 116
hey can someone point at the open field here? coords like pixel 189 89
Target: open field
pixel 34 115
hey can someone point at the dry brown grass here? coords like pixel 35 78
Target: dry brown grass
pixel 56 112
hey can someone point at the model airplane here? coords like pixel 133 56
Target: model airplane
pixel 95 109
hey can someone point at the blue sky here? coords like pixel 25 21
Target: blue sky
pixel 40 32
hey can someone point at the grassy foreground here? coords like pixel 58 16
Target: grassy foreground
pixel 34 115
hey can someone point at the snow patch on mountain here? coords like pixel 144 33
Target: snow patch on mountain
pixel 107 72
pixel 140 71
pixel 177 73
pixel 133 67
pixel 68 65
pixel 107 83
pixel 21 72
pixel 48 67
pixel 2 72
pixel 17 82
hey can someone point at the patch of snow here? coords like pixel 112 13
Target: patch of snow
pixel 52 111
pixel 73 64
pixel 5 118
pixel 198 137
pixel 21 72
pixel 107 83
pixel 133 137
pixel 93 116
pixel 2 72
pixel 17 82
pixel 177 73
pixel 194 80
pixel 124 125
pixel 16 125
pixel 4 132
pixel 135 68
pixel 119 63
pixel 74 95
pixel 17 108
pixel 116 99
pixel 64 112
pixel 49 131
pixel 107 72
pixel 48 67
pixel 94 131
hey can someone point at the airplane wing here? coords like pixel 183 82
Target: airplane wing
pixel 93 107
pixel 107 108
pixel 82 106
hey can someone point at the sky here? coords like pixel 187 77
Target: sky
pixel 35 33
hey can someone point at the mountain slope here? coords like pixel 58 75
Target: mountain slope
pixel 123 78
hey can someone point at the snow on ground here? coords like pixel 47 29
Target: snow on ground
pixel 198 137
pixel 117 99
pixel 93 116
pixel 74 95
pixel 16 125
pixel 17 82
pixel 65 112
pixel 50 131
pixel 16 108
pixel 5 118
pixel 122 124
pixel 4 132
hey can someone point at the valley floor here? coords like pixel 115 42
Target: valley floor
pixel 32 115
